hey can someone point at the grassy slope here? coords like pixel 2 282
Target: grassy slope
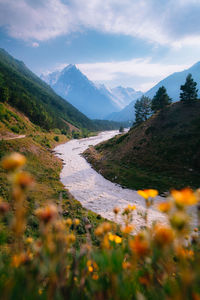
pixel 44 167
pixel 162 153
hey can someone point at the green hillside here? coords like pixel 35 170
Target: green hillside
pixel 30 95
pixel 162 153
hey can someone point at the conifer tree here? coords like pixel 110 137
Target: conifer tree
pixel 189 90
pixel 142 109
pixel 160 100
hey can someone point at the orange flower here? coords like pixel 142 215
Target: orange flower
pixel 23 179
pixel 163 235
pixel 184 197
pixel 116 210
pixel 13 161
pixel 139 245
pixel 164 207
pixel 148 193
pixel 48 213
pixel 127 229
pixel 4 207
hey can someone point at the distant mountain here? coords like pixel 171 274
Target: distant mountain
pixel 173 82
pixel 120 95
pixel 76 88
pixel 125 95
pixel 127 114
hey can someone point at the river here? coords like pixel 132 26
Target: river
pixel 92 190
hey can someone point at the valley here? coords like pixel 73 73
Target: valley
pixel 92 190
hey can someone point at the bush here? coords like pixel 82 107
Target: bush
pixel 56 138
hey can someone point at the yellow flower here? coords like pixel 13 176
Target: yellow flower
pixel 13 161
pixel 29 240
pixel 118 239
pixel 148 193
pixel 184 197
pixel 164 207
pixel 68 222
pixel 76 222
pixel 131 207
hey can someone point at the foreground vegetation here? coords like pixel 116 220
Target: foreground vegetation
pixel 160 261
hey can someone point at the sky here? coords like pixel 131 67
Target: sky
pixel 133 43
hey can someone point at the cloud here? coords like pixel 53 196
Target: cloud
pixel 144 71
pixel 165 22
pixel 38 20
pixel 35 45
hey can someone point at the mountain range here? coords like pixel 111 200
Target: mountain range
pixel 95 101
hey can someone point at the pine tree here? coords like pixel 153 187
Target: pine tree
pixel 142 109
pixel 160 100
pixel 189 90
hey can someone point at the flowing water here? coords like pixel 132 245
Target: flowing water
pixel 91 189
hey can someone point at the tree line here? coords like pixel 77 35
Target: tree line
pixel 144 107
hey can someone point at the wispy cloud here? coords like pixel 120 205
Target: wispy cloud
pixel 146 72
pixel 170 22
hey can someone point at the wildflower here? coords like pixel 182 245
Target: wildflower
pixel 179 220
pixel 68 222
pixel 184 253
pixel 4 207
pixel 116 210
pixel 95 276
pixel 163 235
pixel 99 231
pixel 47 214
pixel 76 222
pixel 148 193
pixel 184 197
pixel 127 229
pixel 23 179
pixel 40 291
pixel 13 161
pixel 106 226
pixel 128 209
pixel 126 265
pixel 71 238
pixel 117 239
pixel 165 206
pixel 144 280
pixel 19 259
pixel 139 245
pixel 29 240
pixel 111 237
pixel 131 207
